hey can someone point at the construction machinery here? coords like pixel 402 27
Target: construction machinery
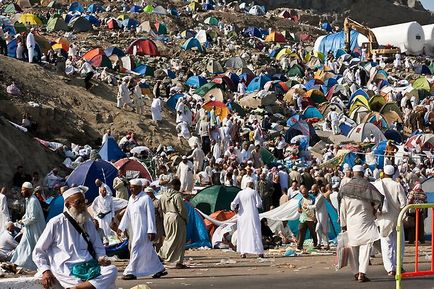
pixel 371 47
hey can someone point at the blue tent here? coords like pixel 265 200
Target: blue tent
pixel 335 41
pixel 136 9
pixel 76 7
pixel 274 52
pixel 334 227
pixel 93 20
pixel 86 174
pixel 173 12
pixel 352 158
pixel 196 81
pixel 110 151
pixel 312 112
pixel 12 48
pixel 56 207
pixel 94 8
pixel 358 92
pixel 207 7
pixel 192 43
pixel 292 120
pixel 234 77
pixel 197 234
pixel 394 135
pixel 379 151
pixel 114 50
pixel 130 23
pixel 257 83
pixel 143 70
pixel 70 16
pixel 170 73
pixel 345 128
pixel 252 32
pixel 171 102
pixel 326 26
pixel 340 52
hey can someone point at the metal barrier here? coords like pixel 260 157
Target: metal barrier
pixel 399 231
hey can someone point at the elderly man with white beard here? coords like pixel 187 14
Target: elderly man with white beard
pixel 139 221
pixel 103 210
pixel 70 250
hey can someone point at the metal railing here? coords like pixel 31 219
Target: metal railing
pixel 399 231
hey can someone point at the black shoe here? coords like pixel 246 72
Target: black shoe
pixel 160 274
pixel 129 277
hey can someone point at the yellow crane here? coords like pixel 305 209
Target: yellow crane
pixel 372 45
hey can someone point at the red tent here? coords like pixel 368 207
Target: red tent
pixel 219 216
pixel 112 24
pixel 92 53
pixel 134 168
pixel 220 79
pixel 144 47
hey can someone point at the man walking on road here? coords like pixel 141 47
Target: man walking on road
pixel 175 225
pixel 394 201
pixel 359 200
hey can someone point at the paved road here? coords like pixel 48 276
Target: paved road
pixel 315 272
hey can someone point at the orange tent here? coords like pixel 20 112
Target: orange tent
pixel 219 216
pixel 92 53
pixel 275 37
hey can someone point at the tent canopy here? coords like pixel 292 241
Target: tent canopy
pixel 214 198
pixel 144 47
pixel 86 174
pixel 133 168
pixel 110 151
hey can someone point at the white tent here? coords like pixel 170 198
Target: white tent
pixel 363 131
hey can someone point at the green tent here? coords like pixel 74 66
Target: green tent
pixel 205 88
pixel 20 27
pixel 421 83
pixel 12 8
pixel 160 28
pixel 56 24
pixel 148 9
pixel 267 157
pixel 296 70
pixel 212 21
pixel 214 198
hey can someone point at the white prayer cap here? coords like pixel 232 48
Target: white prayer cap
pixel 184 157
pixel 27 185
pixel 73 191
pixel 149 190
pixel 389 170
pixel 358 168
pixel 136 182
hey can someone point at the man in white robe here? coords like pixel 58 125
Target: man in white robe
pixel 139 99
pixel 61 247
pixel 322 217
pixel 31 44
pixel 103 211
pixel 249 236
pixel 394 201
pixel 185 175
pixel 156 110
pixel 100 184
pixel 33 223
pixel 4 211
pixel 358 201
pixel 123 97
pixel 7 243
pixel 198 157
pixel 139 222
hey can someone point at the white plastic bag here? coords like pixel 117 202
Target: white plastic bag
pixel 343 251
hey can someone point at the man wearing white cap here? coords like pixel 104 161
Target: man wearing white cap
pixel 70 249
pixel 394 201
pixel 31 44
pixel 104 211
pixel 358 200
pixel 246 205
pixel 7 242
pixel 33 223
pixel 4 210
pixel 185 175
pixel 347 176
pixel 139 221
